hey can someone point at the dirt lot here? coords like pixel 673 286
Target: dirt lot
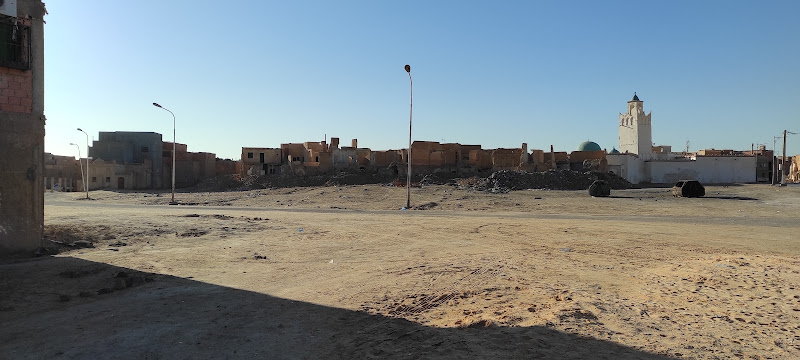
pixel 343 272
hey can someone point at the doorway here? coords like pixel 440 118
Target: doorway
pixel 121 183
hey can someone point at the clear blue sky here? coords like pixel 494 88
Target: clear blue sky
pixel 721 74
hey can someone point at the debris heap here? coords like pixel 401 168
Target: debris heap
pixel 501 181
pixel 504 181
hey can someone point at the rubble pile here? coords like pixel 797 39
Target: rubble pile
pixel 504 181
pixel 341 178
pixel 250 182
pixel 223 183
pixel 501 181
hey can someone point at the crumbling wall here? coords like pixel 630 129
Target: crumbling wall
pixel 464 160
pixel 794 170
pixel 580 156
pixel 294 152
pixel 506 159
pixel 344 157
pixel 383 159
pixel 537 156
pixel 363 156
pixel 480 159
pixel 421 152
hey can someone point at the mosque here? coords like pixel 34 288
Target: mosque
pixel 638 161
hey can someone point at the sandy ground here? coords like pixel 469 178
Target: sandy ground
pixel 342 272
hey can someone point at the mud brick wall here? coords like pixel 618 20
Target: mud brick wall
pixel 16 90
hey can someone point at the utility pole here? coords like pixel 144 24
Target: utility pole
pixel 783 161
pixel 752 152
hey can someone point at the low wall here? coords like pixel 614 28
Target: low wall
pixel 706 169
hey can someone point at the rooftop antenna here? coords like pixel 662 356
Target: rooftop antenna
pixel 687 147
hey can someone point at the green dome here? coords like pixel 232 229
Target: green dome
pixel 589 146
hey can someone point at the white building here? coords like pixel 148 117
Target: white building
pixel 638 163
pixel 635 130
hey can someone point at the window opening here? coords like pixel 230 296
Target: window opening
pixel 15 44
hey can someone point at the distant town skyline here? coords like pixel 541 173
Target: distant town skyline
pixel 719 75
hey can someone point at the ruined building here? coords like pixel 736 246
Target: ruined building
pixel 794 169
pixel 22 124
pixel 313 158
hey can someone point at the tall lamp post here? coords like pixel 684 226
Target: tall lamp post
pixel 410 113
pixel 83 180
pixel 87 162
pixel 172 202
pixel 775 167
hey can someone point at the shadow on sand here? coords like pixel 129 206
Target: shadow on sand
pixel 745 198
pixel 177 318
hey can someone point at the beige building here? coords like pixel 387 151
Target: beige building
pixel 108 174
pixel 63 173
pixel 261 161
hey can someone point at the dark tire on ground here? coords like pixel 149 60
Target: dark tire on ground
pixel 600 188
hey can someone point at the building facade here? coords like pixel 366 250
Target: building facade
pixel 126 160
pixel 127 147
pixel 63 173
pixel 22 126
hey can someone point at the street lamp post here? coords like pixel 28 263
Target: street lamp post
pixel 783 161
pixel 83 180
pixel 410 113
pixel 87 162
pixel 775 167
pixel 172 202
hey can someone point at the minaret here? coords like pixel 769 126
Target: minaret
pixel 635 131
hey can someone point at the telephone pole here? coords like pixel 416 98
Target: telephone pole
pixel 783 161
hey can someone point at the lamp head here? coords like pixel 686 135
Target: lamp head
pixel 79 129
pixel 156 105
pixel 408 69
pixel 73 144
